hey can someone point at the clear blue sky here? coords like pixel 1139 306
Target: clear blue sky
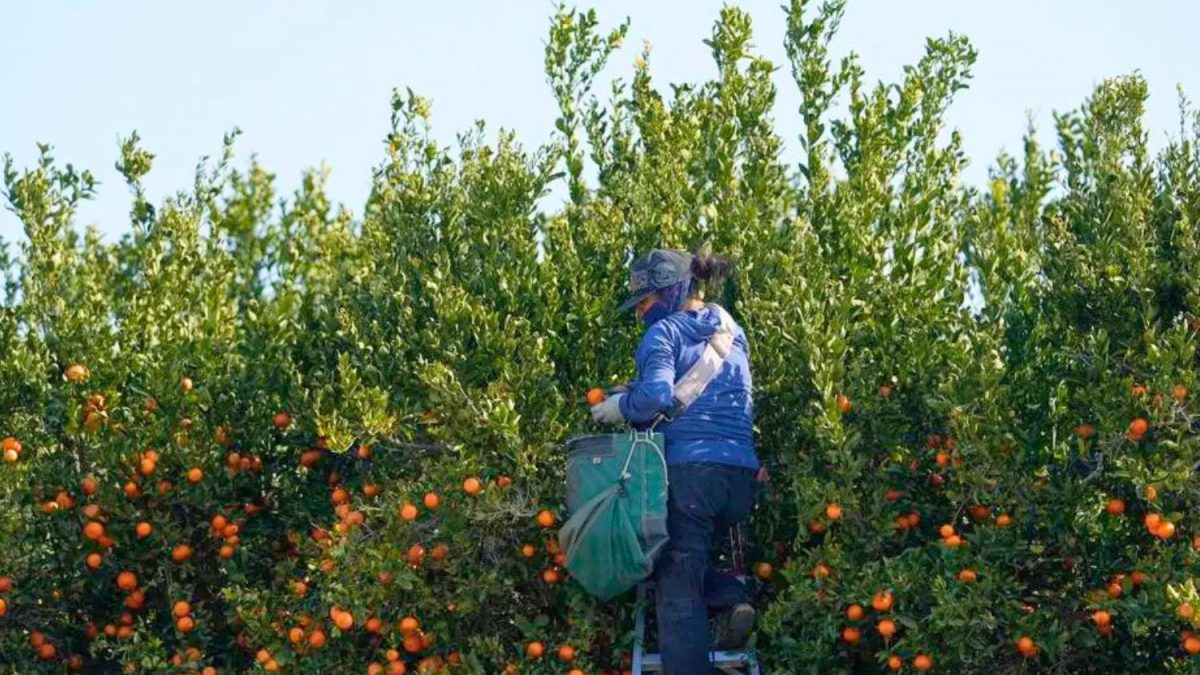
pixel 309 82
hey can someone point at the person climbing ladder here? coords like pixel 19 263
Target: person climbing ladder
pixel 693 383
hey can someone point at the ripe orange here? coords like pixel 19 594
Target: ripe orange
pixel 76 373
pixel 551 576
pixel 371 489
pixel 181 553
pixel 10 443
pixel 226 552
pixel 144 529
pixel 854 612
pixel 186 383
pixel 922 662
pixel 528 550
pixel 185 624
pixel 844 405
pixel 373 625
pixel 535 650
pixel 344 620
pixel 181 608
pixel 472 486
pixel 1115 507
pixel 1003 520
pixel 1180 392
pixel 1191 644
pixel 3 607
pixel 882 601
pixel 886 628
pixel 416 553
pixel 1085 430
pixel 946 531
pixel 566 653
pixel 1139 390
pixel 833 512
pixel 1166 530
pixel 317 639
pixel 1185 611
pixel 953 541
pixel 1152 521
pixel 967 576
pixel 1139 427
pixel 851 634
pixel 596 396
pixel 94 560
pixel 545 518
pixel 432 501
pixel 281 420
pixel 895 663
pixel 93 530
pixel 1101 617
pixel 413 644
pixel 1138 577
pixel 503 481
pixel 409 625
pixel 1025 645
pixel 195 475
pixel 126 581
pixel 764 571
pixel 440 552
pixel 892 495
pixel 408 512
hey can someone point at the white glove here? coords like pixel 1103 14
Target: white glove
pixel 608 411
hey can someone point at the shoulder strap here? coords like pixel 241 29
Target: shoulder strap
pixel 692 384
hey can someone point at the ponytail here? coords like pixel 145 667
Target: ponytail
pixel 709 268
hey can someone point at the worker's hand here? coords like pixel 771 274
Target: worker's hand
pixel 608 411
pixel 763 476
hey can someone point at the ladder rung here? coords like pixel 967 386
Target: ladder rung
pixel 719 659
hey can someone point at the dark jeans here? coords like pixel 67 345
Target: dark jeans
pixel 704 500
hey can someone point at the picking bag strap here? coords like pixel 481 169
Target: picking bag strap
pixel 693 383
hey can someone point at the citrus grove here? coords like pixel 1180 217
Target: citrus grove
pixel 260 433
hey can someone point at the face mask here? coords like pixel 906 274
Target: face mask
pixel 657 312
pixel 669 301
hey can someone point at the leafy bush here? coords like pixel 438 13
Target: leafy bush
pixel 259 432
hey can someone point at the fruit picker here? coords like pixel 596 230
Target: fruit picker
pixel 693 385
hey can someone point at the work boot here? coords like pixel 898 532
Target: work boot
pixel 733 627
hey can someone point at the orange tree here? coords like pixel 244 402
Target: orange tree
pixel 264 433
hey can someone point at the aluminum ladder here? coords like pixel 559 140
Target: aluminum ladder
pixel 740 662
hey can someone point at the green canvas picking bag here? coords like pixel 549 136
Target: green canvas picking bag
pixel 617 498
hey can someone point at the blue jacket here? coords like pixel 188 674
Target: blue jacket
pixel 718 426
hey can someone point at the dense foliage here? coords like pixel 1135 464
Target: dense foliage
pixel 336 438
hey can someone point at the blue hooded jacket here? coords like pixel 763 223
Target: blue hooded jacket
pixel 718 427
